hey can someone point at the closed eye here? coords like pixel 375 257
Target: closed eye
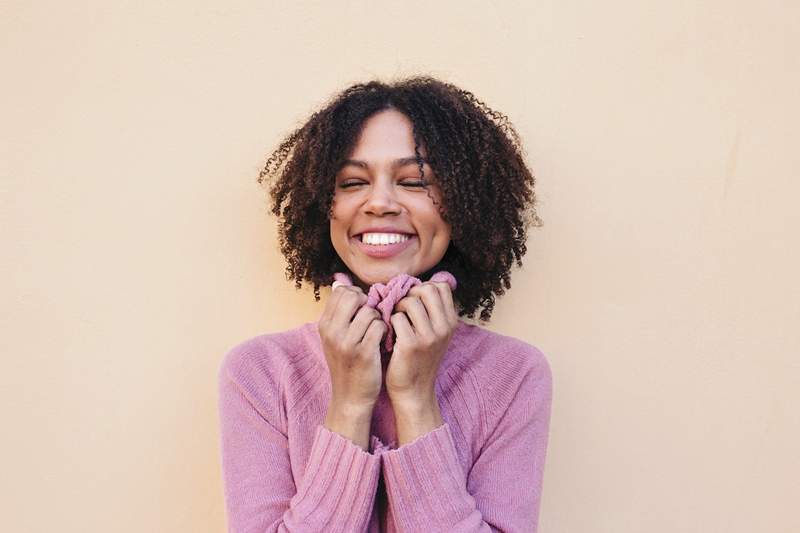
pixel 415 184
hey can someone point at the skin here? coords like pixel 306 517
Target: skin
pixel 382 194
pixel 379 192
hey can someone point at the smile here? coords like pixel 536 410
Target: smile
pixel 383 245
pixel 383 238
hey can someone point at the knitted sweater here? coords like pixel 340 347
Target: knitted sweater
pixel 481 470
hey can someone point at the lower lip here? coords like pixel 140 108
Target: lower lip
pixel 383 250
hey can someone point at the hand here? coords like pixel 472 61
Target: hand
pixel 352 348
pixel 424 323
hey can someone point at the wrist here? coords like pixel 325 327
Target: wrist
pixel 356 411
pixel 414 403
pixel 350 420
pixel 414 418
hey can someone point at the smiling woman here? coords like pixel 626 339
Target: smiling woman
pixel 389 413
pixel 471 153
pixel 384 220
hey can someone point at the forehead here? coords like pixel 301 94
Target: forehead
pixel 386 135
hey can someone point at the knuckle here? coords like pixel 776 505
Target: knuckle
pixel 427 342
pixel 342 343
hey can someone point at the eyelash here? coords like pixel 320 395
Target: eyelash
pixel 416 184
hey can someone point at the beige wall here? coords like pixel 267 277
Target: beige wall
pixel 663 285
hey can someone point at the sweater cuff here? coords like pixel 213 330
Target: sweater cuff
pixel 338 488
pixel 426 485
pixel 377 447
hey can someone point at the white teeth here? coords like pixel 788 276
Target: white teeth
pixel 382 238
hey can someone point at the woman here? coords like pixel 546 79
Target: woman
pixel 389 413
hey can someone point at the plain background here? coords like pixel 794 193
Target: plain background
pixel 137 247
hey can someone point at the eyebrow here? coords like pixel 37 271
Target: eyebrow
pixel 403 161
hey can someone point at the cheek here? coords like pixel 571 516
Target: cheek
pixel 336 229
pixel 435 213
pixel 339 214
pixel 440 226
pixel 346 204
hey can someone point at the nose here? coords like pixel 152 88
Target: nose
pixel 382 199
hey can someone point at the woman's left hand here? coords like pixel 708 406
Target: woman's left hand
pixel 424 322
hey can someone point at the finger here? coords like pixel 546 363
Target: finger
pixel 413 307
pixel 351 299
pixel 429 294
pixel 447 299
pixel 330 306
pixel 358 327
pixel 336 296
pixel 401 326
pixel 374 333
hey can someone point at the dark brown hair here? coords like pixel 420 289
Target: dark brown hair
pixel 477 159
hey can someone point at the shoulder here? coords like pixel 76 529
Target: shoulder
pixel 507 367
pixel 260 364
pixel 490 352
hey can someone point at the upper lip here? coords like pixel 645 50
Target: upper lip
pixel 384 229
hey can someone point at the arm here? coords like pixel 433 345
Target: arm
pixel 426 485
pixel 336 491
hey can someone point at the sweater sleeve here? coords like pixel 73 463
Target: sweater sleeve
pixel 427 488
pixel 335 493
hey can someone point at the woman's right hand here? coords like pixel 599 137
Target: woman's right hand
pixel 351 333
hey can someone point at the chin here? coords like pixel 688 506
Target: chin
pixel 372 280
pixel 382 276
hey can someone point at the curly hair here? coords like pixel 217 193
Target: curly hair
pixel 477 158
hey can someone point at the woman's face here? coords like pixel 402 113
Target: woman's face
pixel 384 223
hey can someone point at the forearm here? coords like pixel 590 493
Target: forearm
pixel 416 417
pixel 336 490
pixel 350 421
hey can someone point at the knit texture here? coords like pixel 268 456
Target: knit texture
pixel 384 296
pixel 481 470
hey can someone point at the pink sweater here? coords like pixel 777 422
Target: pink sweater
pixel 479 471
